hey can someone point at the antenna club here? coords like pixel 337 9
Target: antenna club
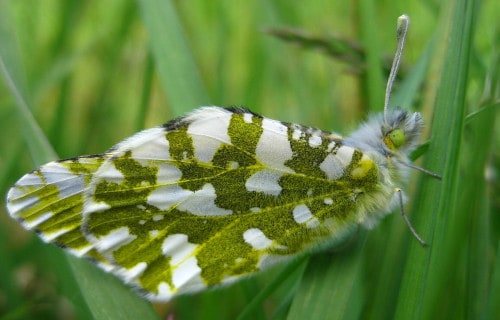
pixel 402 29
pixel 402 25
pixel 403 21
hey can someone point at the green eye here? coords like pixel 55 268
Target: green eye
pixel 397 137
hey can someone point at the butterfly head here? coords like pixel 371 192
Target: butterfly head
pixel 396 134
pixel 401 130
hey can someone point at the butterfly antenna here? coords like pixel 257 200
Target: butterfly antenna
pixel 402 30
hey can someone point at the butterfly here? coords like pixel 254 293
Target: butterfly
pixel 217 195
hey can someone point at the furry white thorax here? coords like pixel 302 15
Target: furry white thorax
pixel 392 171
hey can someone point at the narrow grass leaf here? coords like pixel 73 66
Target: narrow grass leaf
pixel 256 302
pixel 375 81
pixel 425 269
pixel 479 140
pixel 174 60
pixel 493 305
pixel 12 72
pixel 106 296
pixel 330 286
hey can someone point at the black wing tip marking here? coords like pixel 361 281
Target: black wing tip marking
pixel 99 155
pixel 184 120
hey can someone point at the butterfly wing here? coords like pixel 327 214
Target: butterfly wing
pixel 49 201
pixel 217 195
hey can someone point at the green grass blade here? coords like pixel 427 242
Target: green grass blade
pixel 375 81
pixel 106 296
pixel 270 288
pixel 480 132
pixel 494 306
pixel 438 220
pixel 12 73
pixel 174 60
pixel 331 286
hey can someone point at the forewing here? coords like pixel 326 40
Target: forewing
pixel 201 201
pixel 217 195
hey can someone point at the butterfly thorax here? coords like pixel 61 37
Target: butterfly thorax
pixel 388 142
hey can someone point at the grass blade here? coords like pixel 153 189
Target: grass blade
pixel 174 60
pixel 331 285
pixel 422 283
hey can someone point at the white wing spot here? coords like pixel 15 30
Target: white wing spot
pixel 187 276
pixel 168 174
pixel 344 154
pixel 89 206
pixel 233 165
pixel 257 239
pixel 302 214
pixel 16 204
pixel 247 117
pixel 81 251
pixel 111 174
pixel 59 175
pixel 315 141
pixel 153 233
pixel 185 269
pixel 165 293
pixel 202 203
pixel 274 149
pixel 209 132
pixel 332 167
pixel 157 148
pixel 114 240
pixel 55 172
pixel 28 180
pixel 265 181
pixel 166 197
pixel 158 217
pixel 331 146
pixel 328 201
pixel 51 236
pixel 178 248
pixel 148 144
pixel 296 134
pixel 133 273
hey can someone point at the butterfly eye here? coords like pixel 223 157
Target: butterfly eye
pixel 396 138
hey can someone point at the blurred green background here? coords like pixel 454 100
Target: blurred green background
pixel 79 76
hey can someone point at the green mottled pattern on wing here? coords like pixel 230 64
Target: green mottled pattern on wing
pixel 203 200
pixel 221 251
